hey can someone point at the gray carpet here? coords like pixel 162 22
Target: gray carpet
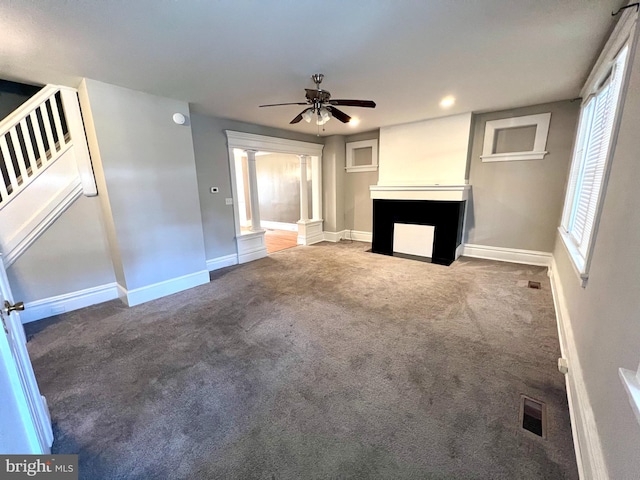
pixel 316 362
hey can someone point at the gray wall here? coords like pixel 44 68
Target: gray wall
pixel 604 315
pixel 518 204
pixel 333 163
pixel 212 165
pixel 278 187
pixel 71 255
pixel 358 206
pixel 147 172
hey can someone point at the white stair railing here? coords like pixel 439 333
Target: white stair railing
pixel 38 133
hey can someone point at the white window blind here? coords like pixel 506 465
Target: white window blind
pixel 590 160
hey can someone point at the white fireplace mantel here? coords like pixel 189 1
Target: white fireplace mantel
pixel 420 192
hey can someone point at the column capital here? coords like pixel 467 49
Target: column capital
pixel 303 158
pixel 251 154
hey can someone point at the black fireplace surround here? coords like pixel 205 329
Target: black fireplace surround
pixel 446 216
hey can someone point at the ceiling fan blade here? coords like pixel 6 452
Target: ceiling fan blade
pixel 299 117
pixel 354 103
pixel 340 115
pixel 280 104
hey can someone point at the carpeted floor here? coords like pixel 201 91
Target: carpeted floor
pixel 319 362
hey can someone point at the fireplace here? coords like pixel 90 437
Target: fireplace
pixel 439 206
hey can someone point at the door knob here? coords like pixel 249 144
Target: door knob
pixel 8 308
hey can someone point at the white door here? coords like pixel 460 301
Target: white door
pixel 25 425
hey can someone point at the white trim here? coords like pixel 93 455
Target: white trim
pixel 272 144
pixel 586 440
pixel 251 256
pixel 631 382
pixel 251 246
pixel 515 156
pixel 541 121
pixel 290 227
pixel 71 103
pixel 221 262
pixel 310 232
pixel 513 255
pixel 162 289
pixel 68 302
pixel 623 31
pixel 351 146
pixel 578 263
pixel 358 236
pixel 420 192
pixel 333 236
pixel 33 413
pixel 41 221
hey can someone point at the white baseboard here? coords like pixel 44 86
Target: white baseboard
pixel 333 236
pixel 251 256
pixel 251 246
pixel 358 236
pixel 586 440
pixel 68 302
pixel 513 255
pixel 162 289
pixel 221 262
pixel 311 239
pixel 290 227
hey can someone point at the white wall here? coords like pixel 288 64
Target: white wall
pixel 425 153
pixel 146 175
pixel 604 317
pixel 71 255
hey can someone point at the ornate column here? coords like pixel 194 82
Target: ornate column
pixel 310 230
pixel 316 187
pixel 253 191
pixel 304 190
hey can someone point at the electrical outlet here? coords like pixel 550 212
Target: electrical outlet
pixel 228 201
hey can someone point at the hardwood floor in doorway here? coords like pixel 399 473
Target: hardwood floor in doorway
pixel 277 240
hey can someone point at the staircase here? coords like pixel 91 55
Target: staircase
pixel 44 167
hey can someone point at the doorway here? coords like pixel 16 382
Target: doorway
pixel 276 187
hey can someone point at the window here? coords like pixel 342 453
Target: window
pixel 504 139
pixel 362 156
pixel 592 151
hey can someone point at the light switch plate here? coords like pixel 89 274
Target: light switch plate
pixel 214 189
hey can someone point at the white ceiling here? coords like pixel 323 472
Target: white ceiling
pixel 227 57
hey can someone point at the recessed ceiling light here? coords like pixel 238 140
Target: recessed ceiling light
pixel 446 102
pixel 354 121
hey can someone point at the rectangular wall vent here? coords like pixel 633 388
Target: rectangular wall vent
pixel 535 285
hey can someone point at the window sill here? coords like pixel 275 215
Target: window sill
pixel 513 156
pixel 631 384
pixel 578 263
pixel 362 168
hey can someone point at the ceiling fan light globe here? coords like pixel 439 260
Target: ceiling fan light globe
pixel 307 115
pixel 323 116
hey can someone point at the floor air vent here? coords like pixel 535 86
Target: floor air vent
pixel 535 285
pixel 533 416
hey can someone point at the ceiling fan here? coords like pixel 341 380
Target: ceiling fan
pixel 321 106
